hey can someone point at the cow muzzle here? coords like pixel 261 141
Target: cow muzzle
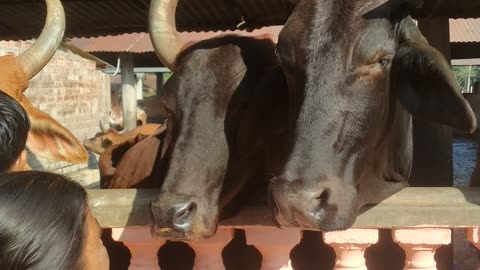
pixel 318 206
pixel 181 219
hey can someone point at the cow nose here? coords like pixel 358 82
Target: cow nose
pixel 178 217
pixel 323 197
pixel 306 208
pixel 320 203
pixel 182 215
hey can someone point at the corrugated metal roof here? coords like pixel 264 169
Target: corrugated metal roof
pixel 141 43
pixel 132 43
pixel 461 30
pixel 466 30
pixel 23 19
pixel 114 17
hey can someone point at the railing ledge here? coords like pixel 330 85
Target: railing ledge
pixel 411 207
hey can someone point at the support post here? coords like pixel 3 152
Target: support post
pixel 420 246
pixel 139 85
pixel 473 235
pixel 142 246
pixel 274 244
pixel 432 143
pixel 208 252
pixel 350 246
pixel 129 95
pixel 160 83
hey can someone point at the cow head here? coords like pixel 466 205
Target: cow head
pixel 356 70
pixel 173 213
pixel 101 142
pixel 46 138
pixel 207 99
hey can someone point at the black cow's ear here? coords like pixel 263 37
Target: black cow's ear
pixel 425 85
pixel 286 50
pixel 291 40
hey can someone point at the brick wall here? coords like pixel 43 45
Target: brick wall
pixel 72 91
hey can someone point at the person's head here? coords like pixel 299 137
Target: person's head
pixel 14 127
pixel 45 223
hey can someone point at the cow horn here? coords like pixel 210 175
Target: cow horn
pixel 163 31
pixel 38 55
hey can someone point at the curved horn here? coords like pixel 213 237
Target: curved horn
pixel 38 55
pixel 163 31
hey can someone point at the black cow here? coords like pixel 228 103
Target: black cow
pixel 227 102
pixel 229 130
pixel 333 124
pixel 357 71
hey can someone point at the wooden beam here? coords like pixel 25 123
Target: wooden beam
pixel 465 50
pixel 411 207
pixel 451 8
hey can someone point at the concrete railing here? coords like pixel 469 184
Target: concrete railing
pixel 420 219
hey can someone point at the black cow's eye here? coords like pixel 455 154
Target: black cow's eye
pixel 384 62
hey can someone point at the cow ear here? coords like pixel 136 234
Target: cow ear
pixel 50 140
pixel 426 87
pixel 13 80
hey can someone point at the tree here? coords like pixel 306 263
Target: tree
pixel 466 76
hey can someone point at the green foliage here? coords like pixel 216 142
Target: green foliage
pixel 167 76
pixel 463 73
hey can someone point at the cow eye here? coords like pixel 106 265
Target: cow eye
pixel 384 62
pixel 106 143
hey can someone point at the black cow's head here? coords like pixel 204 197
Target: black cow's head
pixel 356 70
pixel 207 97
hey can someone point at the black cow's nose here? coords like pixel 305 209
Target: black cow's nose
pixel 323 197
pixel 182 215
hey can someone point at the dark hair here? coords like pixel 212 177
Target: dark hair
pixel 42 221
pixel 14 126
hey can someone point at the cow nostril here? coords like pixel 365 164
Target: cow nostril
pixel 323 197
pixel 183 214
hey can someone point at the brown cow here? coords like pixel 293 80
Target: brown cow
pixel 104 140
pixel 130 164
pixel 47 138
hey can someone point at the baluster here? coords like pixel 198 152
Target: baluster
pixel 350 246
pixel 208 252
pixel 274 244
pixel 420 246
pixel 473 235
pixel 143 247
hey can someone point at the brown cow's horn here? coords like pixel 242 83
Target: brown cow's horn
pixel 38 55
pixel 163 31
